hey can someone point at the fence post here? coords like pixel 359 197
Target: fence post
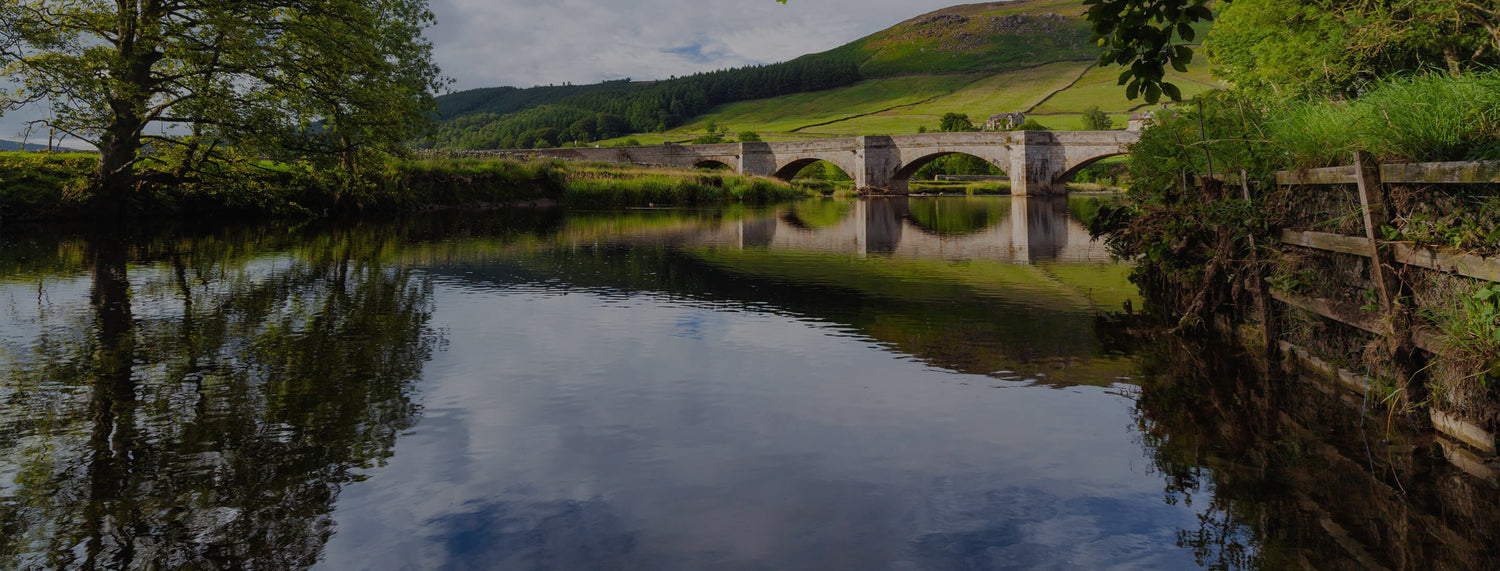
pixel 1270 335
pixel 1377 215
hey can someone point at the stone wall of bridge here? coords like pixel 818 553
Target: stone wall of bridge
pixel 1039 162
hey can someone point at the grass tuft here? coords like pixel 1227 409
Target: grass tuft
pixel 1416 118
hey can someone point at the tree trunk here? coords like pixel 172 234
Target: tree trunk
pixel 136 52
pixel 117 154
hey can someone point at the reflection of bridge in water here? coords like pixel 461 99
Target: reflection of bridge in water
pixel 1036 230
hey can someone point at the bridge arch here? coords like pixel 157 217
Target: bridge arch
pixel 712 164
pixel 911 167
pixel 791 168
pixel 1073 167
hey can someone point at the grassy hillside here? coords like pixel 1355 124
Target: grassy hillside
pixel 979 59
pixel 1054 94
pixel 989 36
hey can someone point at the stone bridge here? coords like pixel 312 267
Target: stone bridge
pixel 1038 162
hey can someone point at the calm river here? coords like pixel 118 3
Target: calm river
pixel 938 383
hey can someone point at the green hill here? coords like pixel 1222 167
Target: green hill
pixel 990 36
pixel 979 59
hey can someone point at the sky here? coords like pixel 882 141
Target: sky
pixel 487 43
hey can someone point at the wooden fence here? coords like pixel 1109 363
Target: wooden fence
pixel 1385 256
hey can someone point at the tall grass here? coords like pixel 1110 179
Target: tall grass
pixel 1415 118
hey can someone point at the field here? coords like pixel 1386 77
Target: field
pixel 1054 94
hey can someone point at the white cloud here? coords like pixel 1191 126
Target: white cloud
pixel 483 43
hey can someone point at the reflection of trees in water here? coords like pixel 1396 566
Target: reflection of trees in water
pixel 956 216
pixel 818 213
pixel 205 410
pixel 1292 480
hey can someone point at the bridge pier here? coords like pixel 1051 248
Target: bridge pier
pixel 1035 165
pixel 878 158
pixel 757 159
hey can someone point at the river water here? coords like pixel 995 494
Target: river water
pixel 925 383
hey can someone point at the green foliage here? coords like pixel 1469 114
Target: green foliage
pixel 35 185
pixel 502 100
pixel 1031 124
pixel 432 182
pixel 1281 51
pixel 1424 117
pixel 1096 120
pixel 1471 330
pixel 956 123
pixel 749 137
pixel 1098 173
pixel 1145 36
pixel 1468 224
pixel 1185 236
pixel 956 164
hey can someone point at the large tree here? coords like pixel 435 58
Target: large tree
pixel 273 78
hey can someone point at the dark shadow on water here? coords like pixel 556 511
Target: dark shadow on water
pixel 1290 474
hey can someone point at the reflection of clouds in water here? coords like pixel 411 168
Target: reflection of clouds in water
pixel 536 535
pixel 758 442
pixel 1019 528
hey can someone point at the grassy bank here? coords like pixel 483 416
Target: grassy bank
pixel 1197 238
pixel 602 185
pixel 41 186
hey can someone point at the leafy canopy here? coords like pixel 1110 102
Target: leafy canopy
pixel 277 78
pixel 956 123
pixel 1145 36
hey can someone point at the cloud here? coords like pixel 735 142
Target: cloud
pixel 482 43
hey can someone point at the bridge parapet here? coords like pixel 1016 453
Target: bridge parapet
pixel 1038 162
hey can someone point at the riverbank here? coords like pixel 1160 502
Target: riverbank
pixel 55 186
pixel 1342 235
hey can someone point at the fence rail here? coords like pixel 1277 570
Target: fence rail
pixel 1385 257
pixel 1439 259
pixel 1403 173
